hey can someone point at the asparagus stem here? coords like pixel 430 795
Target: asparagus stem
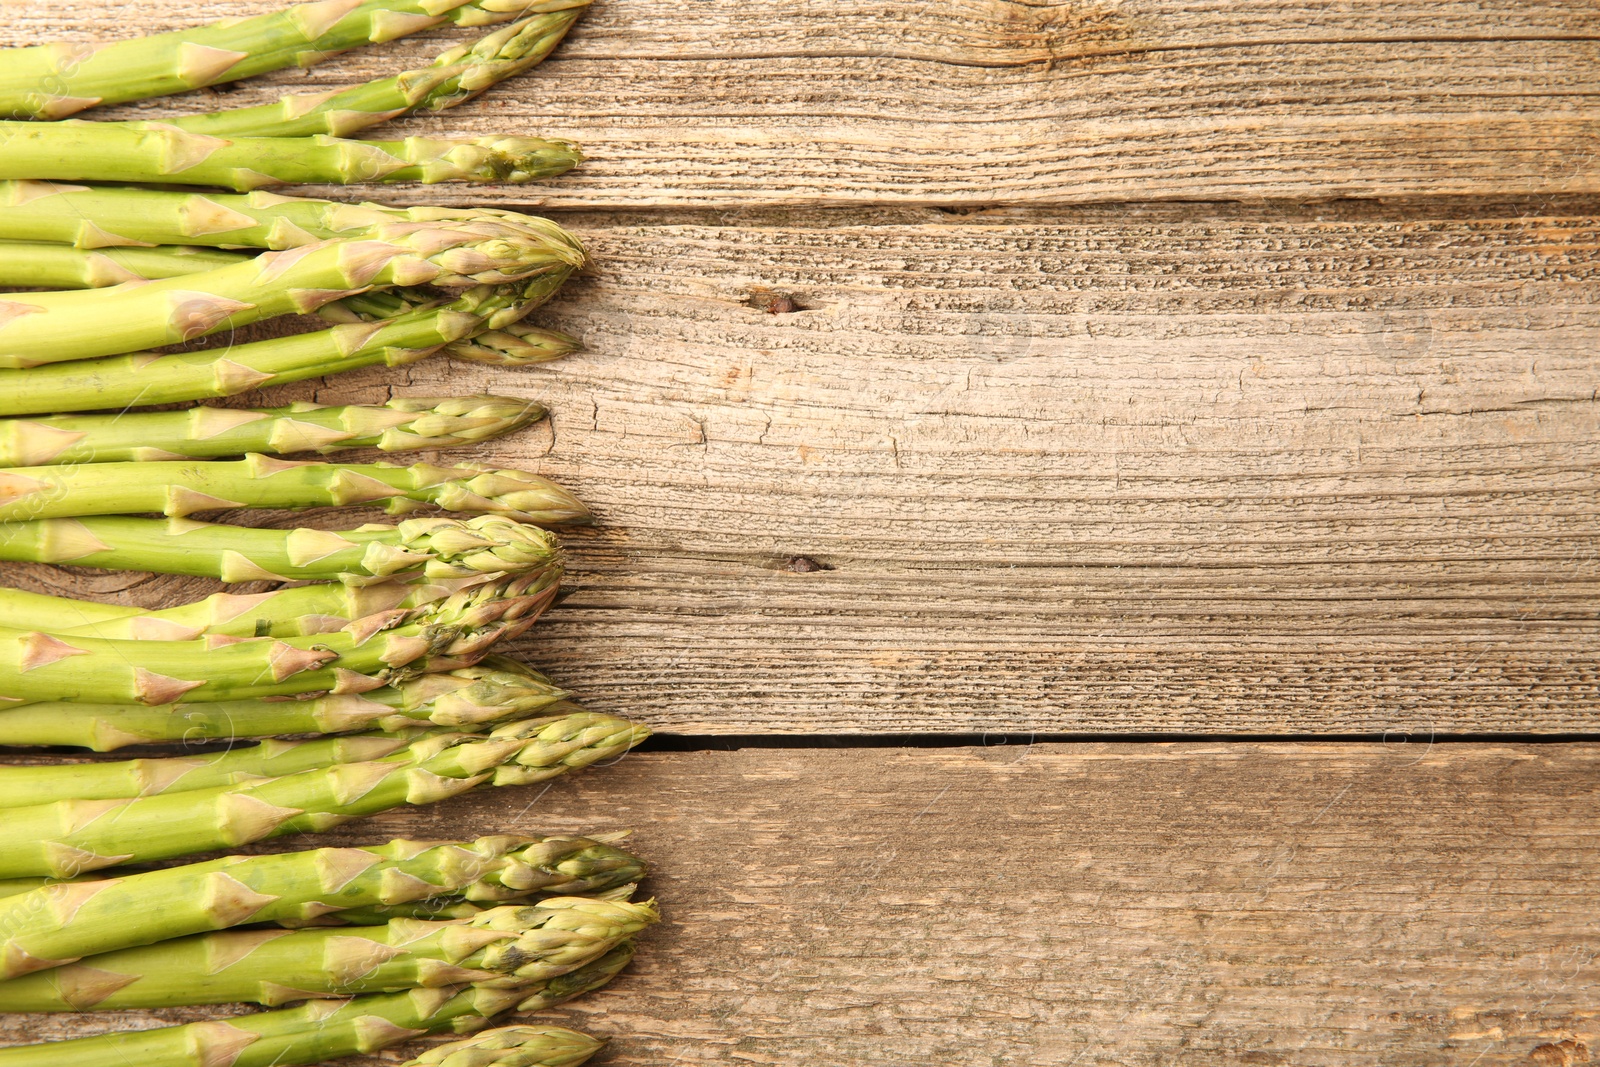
pixel 48 783
pixel 51 782
pixel 69 838
pixel 504 947
pixel 434 909
pixel 20 609
pixel 493 691
pixel 41 328
pixel 108 216
pixel 44 265
pixel 416 548
pixel 402 424
pixel 10 887
pixel 295 612
pixel 160 152
pixel 53 81
pixel 311 1033
pixel 368 654
pixel 179 489
pixel 455 77
pixel 57 266
pixel 61 924
pixel 129 381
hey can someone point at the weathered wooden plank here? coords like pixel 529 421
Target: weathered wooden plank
pixel 1175 469
pixel 990 101
pixel 1313 905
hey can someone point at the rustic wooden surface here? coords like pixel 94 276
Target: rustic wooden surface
pixel 728 103
pixel 1100 409
pixel 1342 905
pixel 1171 469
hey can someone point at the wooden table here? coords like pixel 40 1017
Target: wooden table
pixel 1101 503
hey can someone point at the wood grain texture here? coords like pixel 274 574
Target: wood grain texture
pixel 1339 905
pixel 726 103
pixel 1163 469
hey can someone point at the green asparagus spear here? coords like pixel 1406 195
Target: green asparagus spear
pixel 109 216
pixel 434 909
pixel 416 548
pixel 368 654
pixel 295 612
pixel 311 1033
pixel 160 152
pixel 69 838
pixel 40 328
pixel 55 266
pixel 454 78
pixel 506 1046
pixel 515 344
pixel 10 887
pixel 20 609
pixel 146 378
pixel 53 81
pixel 180 489
pixel 60 924
pixel 43 265
pixel 48 783
pixel 504 947
pixel 493 691
pixel 402 424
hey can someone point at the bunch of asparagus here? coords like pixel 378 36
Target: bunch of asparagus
pixel 375 682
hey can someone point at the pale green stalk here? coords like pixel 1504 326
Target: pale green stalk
pixel 60 924
pixel 159 152
pixel 505 948
pixel 92 217
pixel 443 907
pixel 52 81
pixel 180 489
pixel 49 783
pixel 368 654
pixel 43 265
pixel 31 264
pixel 146 378
pixel 41 328
pixel 315 1031
pixel 468 698
pixel 69 838
pixel 295 612
pixel 454 78
pixel 421 548
pixel 402 424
